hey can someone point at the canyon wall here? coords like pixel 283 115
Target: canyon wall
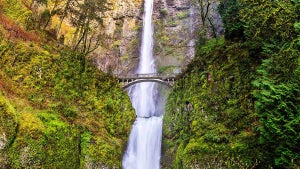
pixel 176 22
pixel 122 27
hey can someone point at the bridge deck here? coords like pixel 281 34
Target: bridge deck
pixel 147 76
pixel 131 79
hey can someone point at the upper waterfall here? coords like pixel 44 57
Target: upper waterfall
pixel 147 62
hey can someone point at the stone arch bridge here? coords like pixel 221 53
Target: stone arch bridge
pixel 131 79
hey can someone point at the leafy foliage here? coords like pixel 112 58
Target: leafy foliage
pixel 278 106
pixel 237 104
pixel 229 10
pixel 210 113
pixel 86 16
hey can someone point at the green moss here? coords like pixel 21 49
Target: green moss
pixel 17 11
pixel 183 15
pixel 43 140
pixel 8 121
pixel 236 103
pixel 165 69
pixel 172 23
pixel 210 110
pixel 59 96
pixel 164 12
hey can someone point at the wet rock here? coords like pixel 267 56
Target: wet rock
pixel 176 23
pixel 3 141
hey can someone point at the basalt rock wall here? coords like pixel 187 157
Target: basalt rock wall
pixel 176 25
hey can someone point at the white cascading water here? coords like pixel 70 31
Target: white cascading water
pixel 144 145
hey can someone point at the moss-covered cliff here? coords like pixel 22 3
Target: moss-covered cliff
pixel 57 110
pixel 177 26
pixel 237 103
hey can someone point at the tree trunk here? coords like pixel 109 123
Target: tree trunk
pixel 212 27
pixel 62 18
pixel 51 14
pixel 204 9
pixel 75 37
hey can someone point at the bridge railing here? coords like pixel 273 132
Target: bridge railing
pixel 148 76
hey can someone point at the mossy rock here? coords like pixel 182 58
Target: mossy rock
pixel 8 122
pixel 8 126
pixel 44 141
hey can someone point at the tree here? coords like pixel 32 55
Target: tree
pixel 54 10
pixel 229 10
pixel 269 23
pixel 86 16
pixel 279 114
pixel 270 33
pixel 62 16
pixel 205 7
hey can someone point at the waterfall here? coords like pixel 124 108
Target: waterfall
pixel 144 145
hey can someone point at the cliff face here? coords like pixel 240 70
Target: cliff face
pixel 122 26
pixel 174 29
pixel 175 25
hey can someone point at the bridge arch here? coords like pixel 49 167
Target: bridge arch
pixel 131 83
